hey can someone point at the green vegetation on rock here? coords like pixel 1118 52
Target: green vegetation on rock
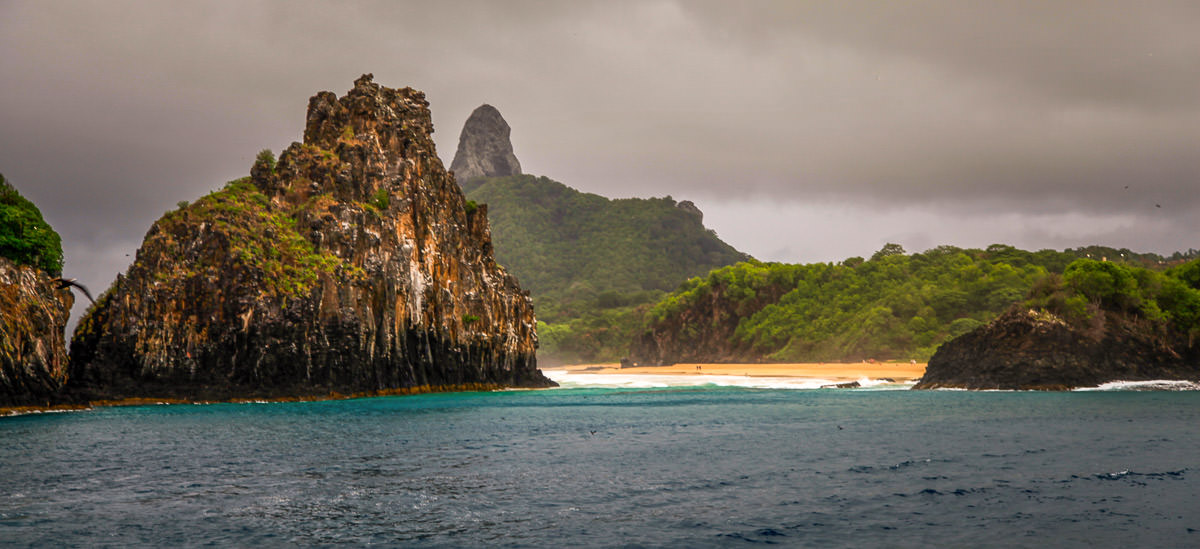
pixel 382 199
pixel 896 306
pixel 593 264
pixel 1089 288
pixel 26 238
pixel 260 236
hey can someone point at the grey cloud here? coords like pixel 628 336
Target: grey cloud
pixel 1034 114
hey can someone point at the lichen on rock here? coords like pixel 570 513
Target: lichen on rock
pixel 348 266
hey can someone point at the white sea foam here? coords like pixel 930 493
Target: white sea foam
pixel 577 380
pixel 1152 385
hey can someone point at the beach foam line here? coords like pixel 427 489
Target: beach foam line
pixel 574 380
pixel 1151 385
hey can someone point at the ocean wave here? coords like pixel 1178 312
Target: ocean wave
pixel 573 380
pixel 1151 385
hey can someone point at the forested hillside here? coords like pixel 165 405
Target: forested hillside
pixel 1098 322
pixel 593 264
pixel 894 306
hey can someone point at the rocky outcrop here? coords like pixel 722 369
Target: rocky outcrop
pixel 484 149
pixel 703 330
pixel 352 265
pixel 690 207
pixel 1035 349
pixel 33 320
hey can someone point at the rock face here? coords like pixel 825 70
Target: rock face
pixel 33 320
pixel 703 332
pixel 690 207
pixel 484 149
pixel 1029 349
pixel 352 265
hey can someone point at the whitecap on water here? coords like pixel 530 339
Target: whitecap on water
pixel 1151 385
pixel 572 380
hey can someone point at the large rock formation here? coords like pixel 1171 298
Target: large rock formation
pixel 352 265
pixel 704 330
pixel 1035 349
pixel 33 320
pixel 484 149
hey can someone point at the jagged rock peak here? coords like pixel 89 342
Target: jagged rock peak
pixel 366 111
pixel 352 265
pixel 484 148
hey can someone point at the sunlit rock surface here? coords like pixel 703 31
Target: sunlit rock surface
pixel 33 320
pixel 353 264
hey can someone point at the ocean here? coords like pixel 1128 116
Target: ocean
pixel 692 461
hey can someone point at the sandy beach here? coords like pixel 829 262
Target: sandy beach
pixel 898 371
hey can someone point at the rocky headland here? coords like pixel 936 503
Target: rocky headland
pixel 703 330
pixel 1103 323
pixel 1027 349
pixel 353 265
pixel 33 320
pixel 484 148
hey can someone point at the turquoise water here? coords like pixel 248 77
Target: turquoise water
pixel 679 467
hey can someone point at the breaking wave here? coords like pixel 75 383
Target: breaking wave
pixel 574 380
pixel 1151 385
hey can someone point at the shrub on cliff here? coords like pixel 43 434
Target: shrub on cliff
pixel 25 237
pixel 1088 286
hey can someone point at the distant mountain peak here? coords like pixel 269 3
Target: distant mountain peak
pixel 484 148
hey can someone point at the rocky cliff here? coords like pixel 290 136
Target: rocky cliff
pixel 1035 349
pixel 33 320
pixel 353 264
pixel 701 326
pixel 484 149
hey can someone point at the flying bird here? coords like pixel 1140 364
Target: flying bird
pixel 61 283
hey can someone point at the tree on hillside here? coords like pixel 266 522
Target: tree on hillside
pixel 25 238
pixel 887 250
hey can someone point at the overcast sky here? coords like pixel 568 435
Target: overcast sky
pixel 805 131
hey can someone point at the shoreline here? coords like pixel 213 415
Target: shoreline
pixel 8 411
pixel 834 371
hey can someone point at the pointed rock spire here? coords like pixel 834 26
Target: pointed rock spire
pixel 484 149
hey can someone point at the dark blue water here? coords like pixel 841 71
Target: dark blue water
pixel 604 467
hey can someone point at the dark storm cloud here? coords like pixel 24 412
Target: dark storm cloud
pixel 1033 116
pixel 1001 98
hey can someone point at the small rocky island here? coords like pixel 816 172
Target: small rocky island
pixel 1100 322
pixel 352 265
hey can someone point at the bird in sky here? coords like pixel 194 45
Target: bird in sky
pixel 61 283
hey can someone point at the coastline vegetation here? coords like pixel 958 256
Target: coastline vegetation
pixel 897 306
pixel 1089 288
pixel 593 265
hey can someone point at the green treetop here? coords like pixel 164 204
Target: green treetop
pixel 25 238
